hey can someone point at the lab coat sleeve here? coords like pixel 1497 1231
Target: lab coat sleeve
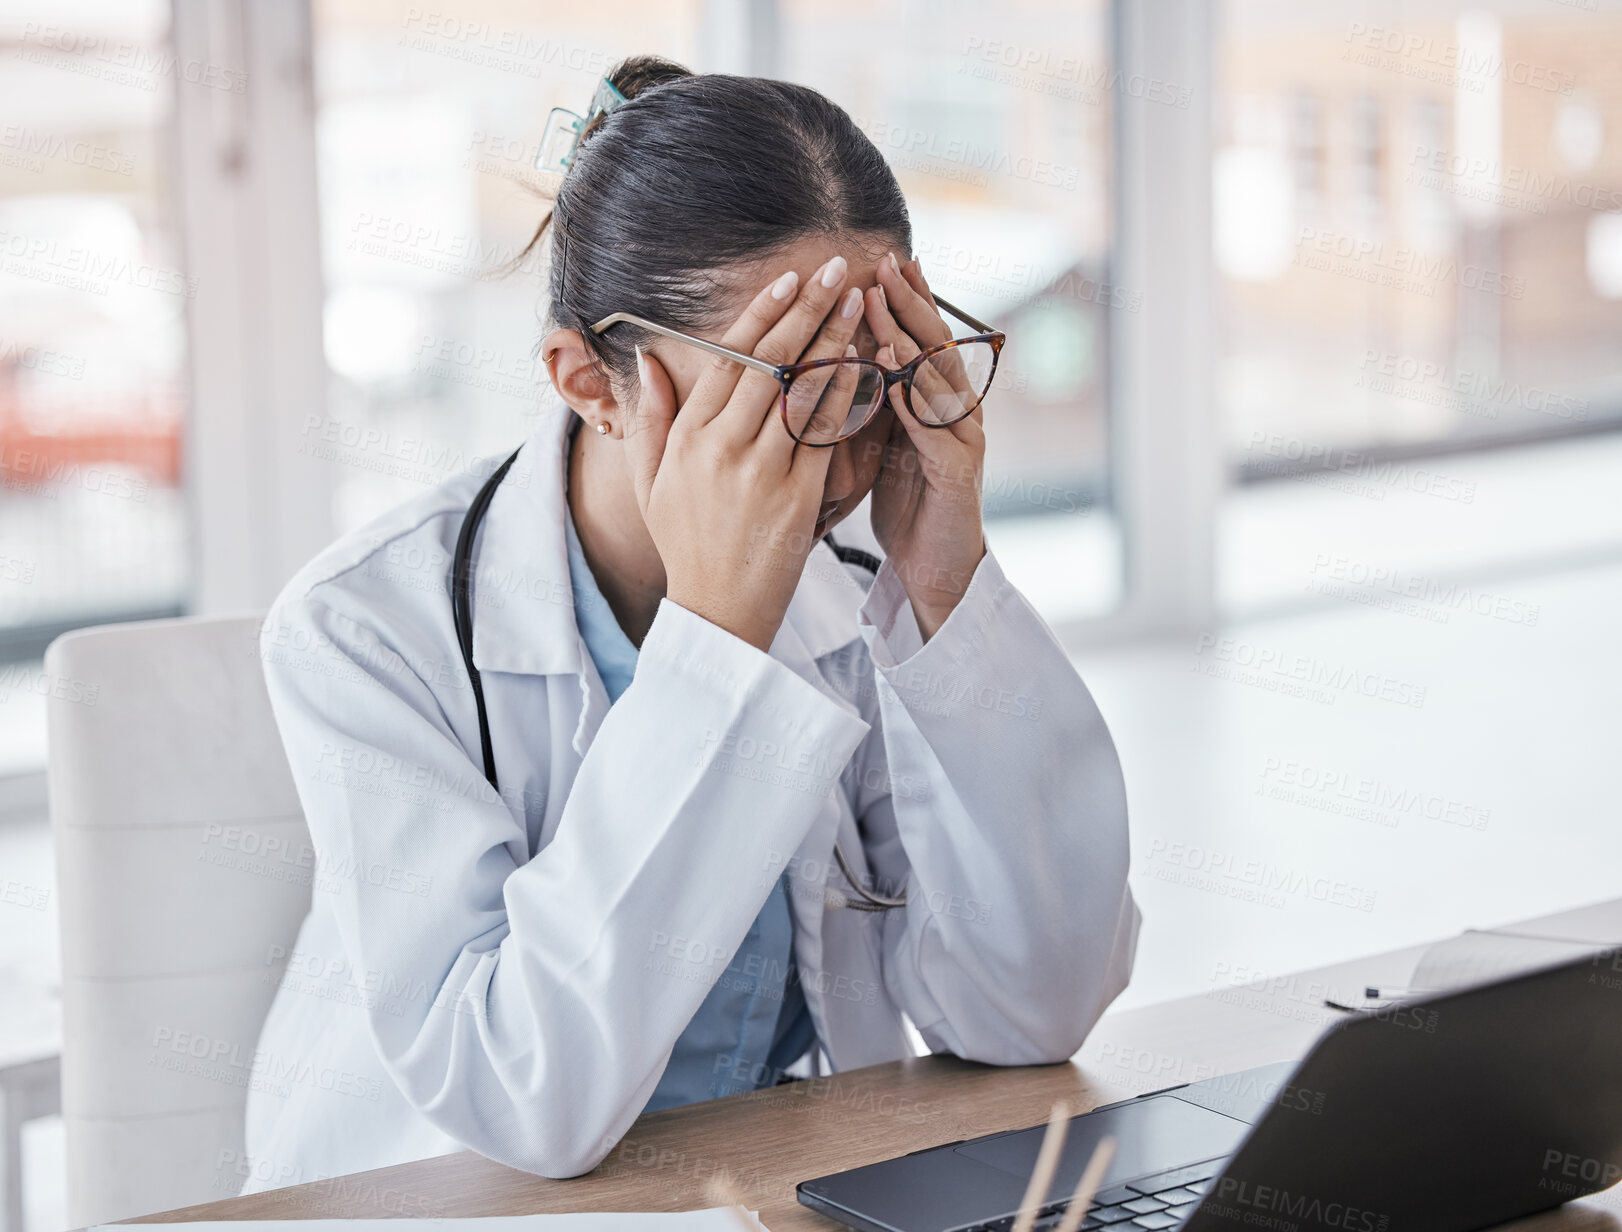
pixel 1004 815
pixel 552 989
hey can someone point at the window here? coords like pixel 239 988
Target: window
pixel 1307 150
pixel 1454 288
pixel 1364 158
pixel 92 312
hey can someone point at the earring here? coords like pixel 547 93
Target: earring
pixel 602 429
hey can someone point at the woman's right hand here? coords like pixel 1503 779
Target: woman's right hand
pixel 729 497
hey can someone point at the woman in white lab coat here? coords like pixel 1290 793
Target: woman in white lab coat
pixel 737 809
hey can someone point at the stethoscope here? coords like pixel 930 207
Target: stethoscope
pixel 462 613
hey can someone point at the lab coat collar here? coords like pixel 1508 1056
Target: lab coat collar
pixel 523 601
pixel 523 604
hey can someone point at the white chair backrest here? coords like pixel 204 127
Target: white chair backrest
pixel 184 872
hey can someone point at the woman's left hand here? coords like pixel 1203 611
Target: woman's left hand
pixel 926 501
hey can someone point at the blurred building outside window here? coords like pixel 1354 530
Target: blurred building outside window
pixel 1421 261
pixel 92 302
pixel 92 337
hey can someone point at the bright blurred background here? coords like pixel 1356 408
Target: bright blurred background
pixel 1314 313
pixel 1415 222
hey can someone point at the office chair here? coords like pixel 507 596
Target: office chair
pixel 183 870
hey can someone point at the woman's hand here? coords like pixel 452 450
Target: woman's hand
pixel 728 497
pixel 926 503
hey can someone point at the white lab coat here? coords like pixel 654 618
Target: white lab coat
pixel 510 973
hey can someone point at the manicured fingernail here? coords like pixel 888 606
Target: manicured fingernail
pixel 784 286
pixel 895 265
pixel 833 272
pixel 641 365
pixel 852 304
pixel 883 298
pixel 850 350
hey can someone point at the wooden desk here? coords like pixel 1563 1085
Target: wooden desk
pixel 767 1141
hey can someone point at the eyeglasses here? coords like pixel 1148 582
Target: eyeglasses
pixel 825 401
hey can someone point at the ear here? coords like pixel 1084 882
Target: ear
pixel 579 377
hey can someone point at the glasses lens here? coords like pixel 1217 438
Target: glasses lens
pixel 830 402
pixel 949 384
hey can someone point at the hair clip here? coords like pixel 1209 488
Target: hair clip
pixel 561 136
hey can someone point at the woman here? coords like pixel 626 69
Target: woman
pixel 712 806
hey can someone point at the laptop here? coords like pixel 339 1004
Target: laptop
pixel 1441 1113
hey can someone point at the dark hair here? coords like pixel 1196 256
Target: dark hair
pixel 694 173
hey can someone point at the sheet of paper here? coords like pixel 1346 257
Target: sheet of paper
pixel 715 1219
pixel 1478 955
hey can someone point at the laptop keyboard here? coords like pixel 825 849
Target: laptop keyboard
pixel 1159 1201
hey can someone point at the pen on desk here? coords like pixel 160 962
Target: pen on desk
pixel 1372 993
